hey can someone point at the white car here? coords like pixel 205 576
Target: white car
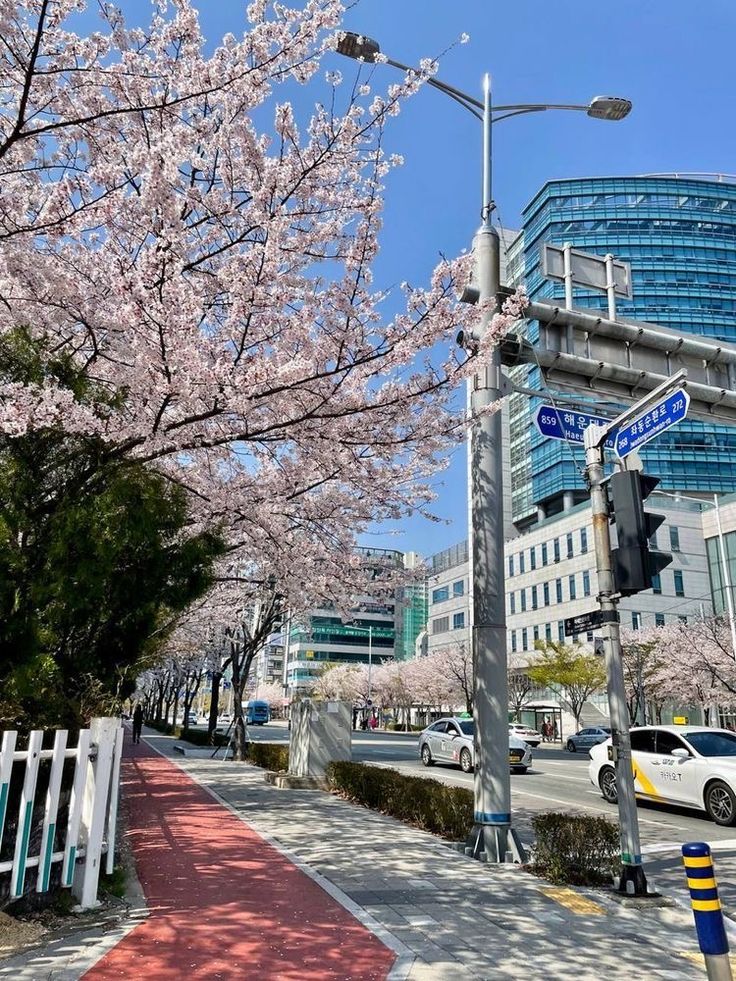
pixel 450 740
pixel 530 736
pixel 693 766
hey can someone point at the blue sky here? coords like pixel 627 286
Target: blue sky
pixel 674 60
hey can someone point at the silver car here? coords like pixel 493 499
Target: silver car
pixel 585 738
pixel 450 740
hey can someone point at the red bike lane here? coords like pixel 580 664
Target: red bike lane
pixel 224 904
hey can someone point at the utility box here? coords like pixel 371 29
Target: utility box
pixel 321 732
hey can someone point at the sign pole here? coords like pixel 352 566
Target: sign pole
pixel 633 880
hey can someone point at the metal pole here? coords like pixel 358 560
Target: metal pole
pixel 489 838
pixel 633 879
pixel 725 575
pixel 370 659
pixel 610 287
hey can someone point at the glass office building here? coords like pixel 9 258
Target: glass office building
pixel 679 234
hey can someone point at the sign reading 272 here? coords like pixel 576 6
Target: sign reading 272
pixel 654 421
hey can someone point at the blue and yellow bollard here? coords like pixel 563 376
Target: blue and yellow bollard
pixel 707 910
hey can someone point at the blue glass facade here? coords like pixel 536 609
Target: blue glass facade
pixel 679 234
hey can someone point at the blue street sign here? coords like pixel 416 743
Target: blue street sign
pixel 567 424
pixel 667 413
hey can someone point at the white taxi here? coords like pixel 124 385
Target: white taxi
pixel 693 766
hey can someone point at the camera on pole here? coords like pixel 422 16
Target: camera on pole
pixel 635 563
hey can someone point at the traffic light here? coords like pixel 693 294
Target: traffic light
pixel 634 562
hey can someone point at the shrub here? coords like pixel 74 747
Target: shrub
pixel 433 806
pixel 577 849
pixel 197 737
pixel 272 756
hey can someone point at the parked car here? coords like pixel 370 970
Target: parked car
pixel 693 766
pixel 585 738
pixel 224 719
pixel 450 740
pixel 192 719
pixel 530 736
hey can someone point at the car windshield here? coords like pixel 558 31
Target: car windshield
pixel 467 726
pixel 713 743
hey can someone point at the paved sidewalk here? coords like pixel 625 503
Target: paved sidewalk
pixel 243 880
pixel 449 916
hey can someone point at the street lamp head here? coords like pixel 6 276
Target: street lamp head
pixel 609 107
pixel 357 46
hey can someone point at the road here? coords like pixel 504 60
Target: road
pixel 559 780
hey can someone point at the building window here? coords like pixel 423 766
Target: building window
pixel 573 590
pixel 533 557
pixel 521 562
pixel 522 596
pixel 674 539
pixel 679 584
pixel 653 539
pixel 536 631
pixel 544 554
pixel 682 618
pixel 558 590
pixel 583 541
pixel 511 565
pixel 659 619
pixel 570 551
pixel 561 631
pixel 512 602
pixel 441 594
pixel 589 636
pixel 548 631
pixel 524 640
pixel 545 590
pixel 458 588
pixel 586 583
pixel 513 642
pixel 636 621
pixel 458 621
pixel 556 549
pixel 535 604
pixel 441 625
pixel 657 585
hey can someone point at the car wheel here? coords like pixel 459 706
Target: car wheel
pixel 571 747
pixel 720 803
pixel 466 761
pixel 426 755
pixel 607 783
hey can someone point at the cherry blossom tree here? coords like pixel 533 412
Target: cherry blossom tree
pixel 212 273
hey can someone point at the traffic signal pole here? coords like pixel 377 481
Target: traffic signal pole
pixel 633 880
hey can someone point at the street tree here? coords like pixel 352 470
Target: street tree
pixel 520 684
pixel 202 250
pixel 569 669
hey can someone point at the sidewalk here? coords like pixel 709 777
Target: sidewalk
pixel 256 882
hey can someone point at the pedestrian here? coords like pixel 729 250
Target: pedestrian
pixel 137 723
pixel 373 723
pixel 555 734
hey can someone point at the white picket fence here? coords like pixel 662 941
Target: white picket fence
pixel 90 827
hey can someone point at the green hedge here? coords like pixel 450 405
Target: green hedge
pixel 575 848
pixel 271 756
pixel 198 737
pixel 433 806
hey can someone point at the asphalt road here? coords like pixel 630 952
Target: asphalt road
pixel 559 780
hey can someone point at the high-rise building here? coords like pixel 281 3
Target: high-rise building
pixel 679 234
pixel 372 633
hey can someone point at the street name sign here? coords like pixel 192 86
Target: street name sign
pixel 585 622
pixel 661 417
pixel 569 425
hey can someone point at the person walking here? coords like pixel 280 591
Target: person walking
pixel 137 723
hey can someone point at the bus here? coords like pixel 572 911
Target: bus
pixel 256 713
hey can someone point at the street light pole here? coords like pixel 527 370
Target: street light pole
pixel 492 785
pixel 492 837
